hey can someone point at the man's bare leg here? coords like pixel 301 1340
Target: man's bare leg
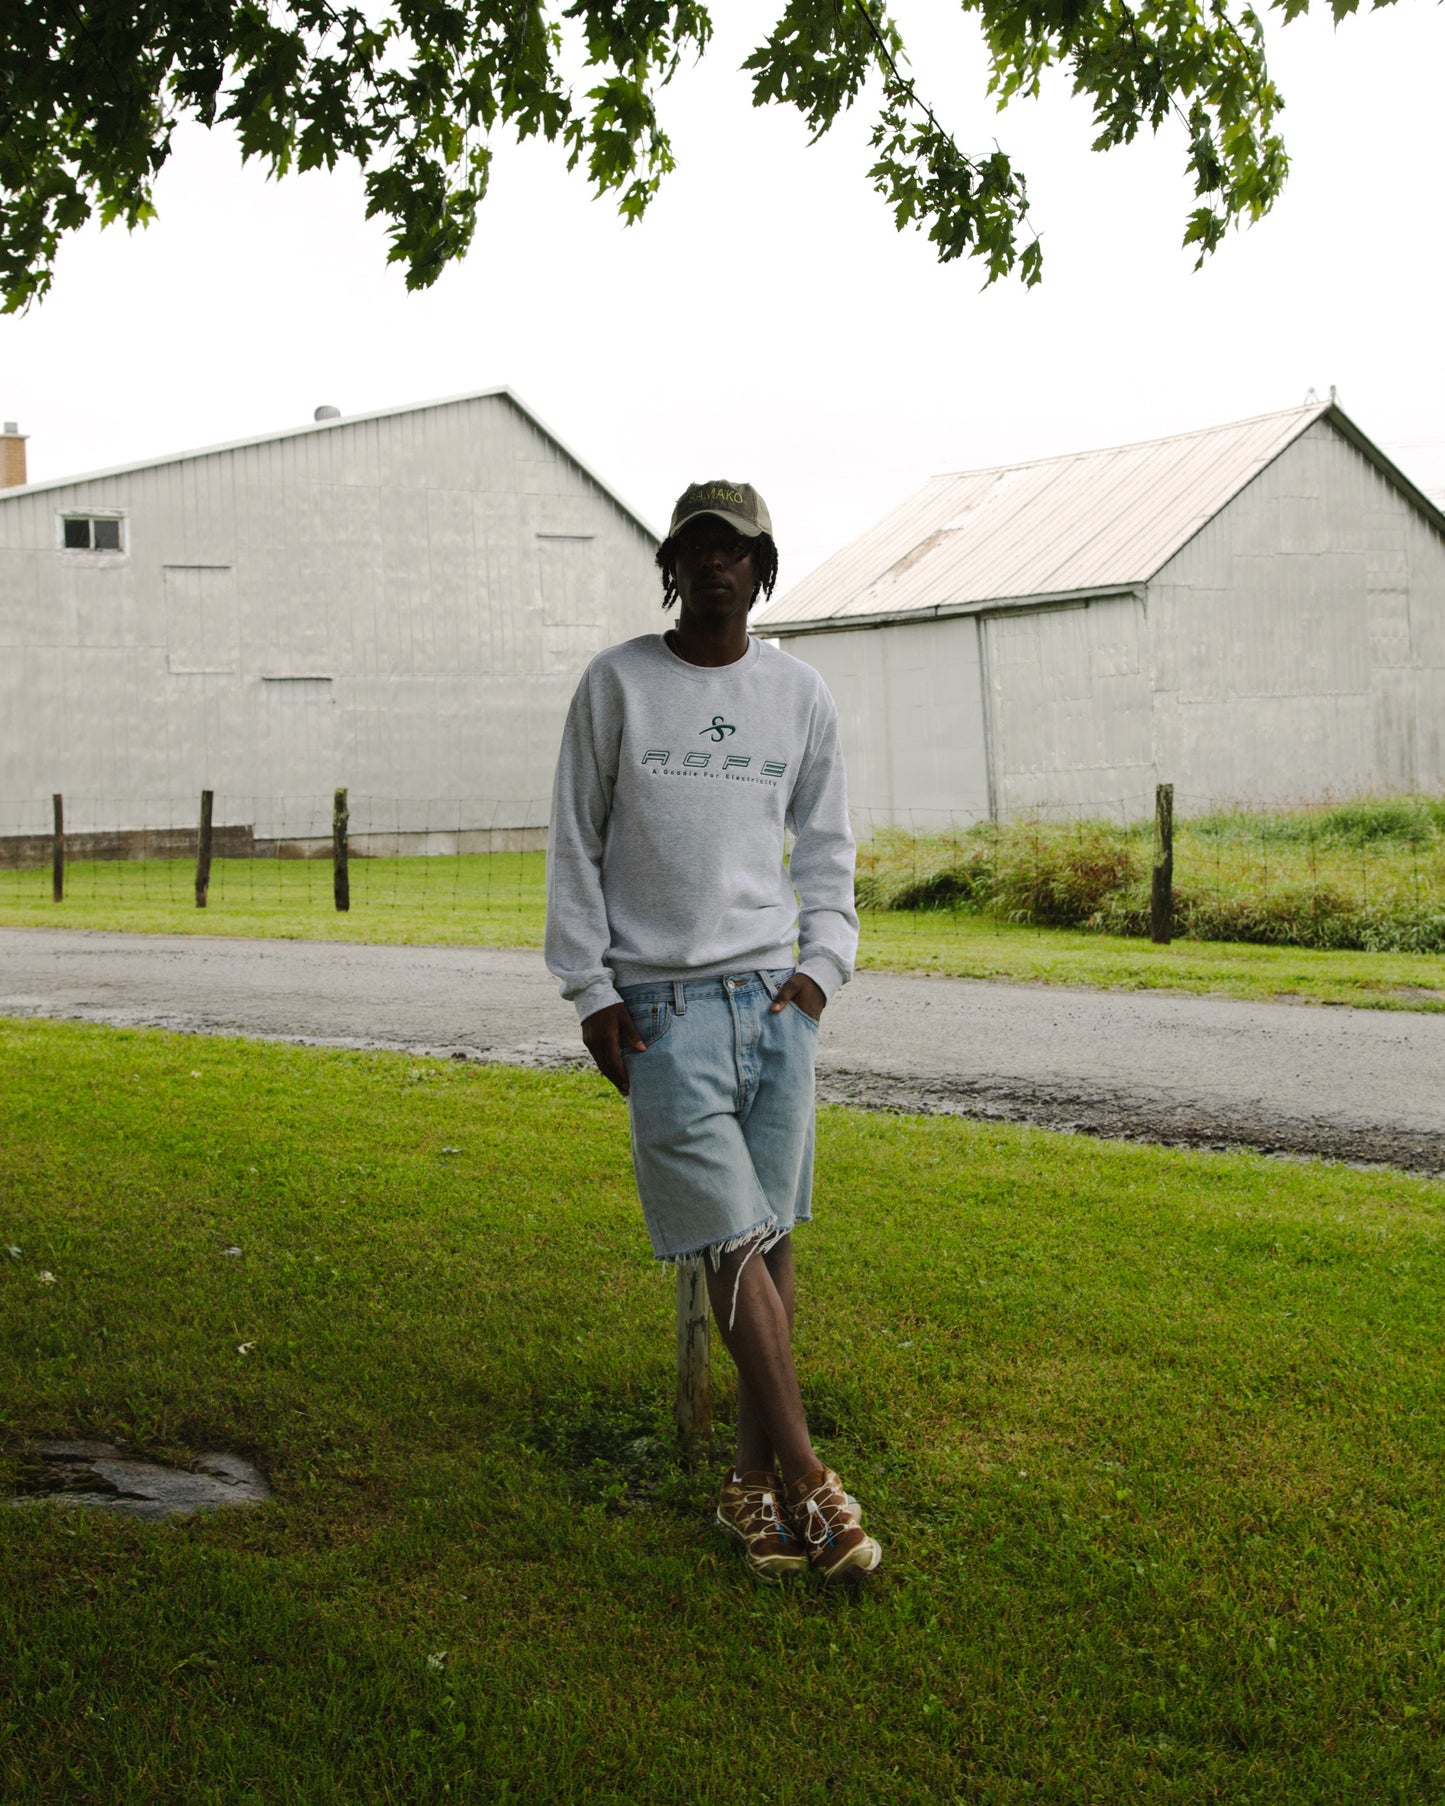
pixel 755 1448
pixel 771 1421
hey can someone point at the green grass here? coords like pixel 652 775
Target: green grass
pixel 1153 1441
pixel 959 944
pixel 1361 824
pixel 497 900
pixel 469 899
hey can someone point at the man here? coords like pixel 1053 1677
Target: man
pixel 671 921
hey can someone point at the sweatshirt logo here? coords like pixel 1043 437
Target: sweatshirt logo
pixel 736 766
pixel 719 730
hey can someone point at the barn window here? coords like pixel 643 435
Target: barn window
pixel 90 533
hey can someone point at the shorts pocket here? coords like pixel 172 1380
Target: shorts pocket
pixel 652 1019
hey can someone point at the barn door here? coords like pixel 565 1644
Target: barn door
pixel 202 624
pixel 569 579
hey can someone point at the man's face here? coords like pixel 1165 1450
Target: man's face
pixel 715 571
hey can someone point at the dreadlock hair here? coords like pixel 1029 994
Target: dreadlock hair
pixel 765 568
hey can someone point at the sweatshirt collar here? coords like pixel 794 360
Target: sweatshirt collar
pixel 711 674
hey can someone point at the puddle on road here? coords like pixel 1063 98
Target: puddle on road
pixel 97 1476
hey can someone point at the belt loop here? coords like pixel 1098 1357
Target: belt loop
pixel 679 997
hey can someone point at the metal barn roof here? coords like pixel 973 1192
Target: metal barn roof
pixel 339 423
pixel 1086 524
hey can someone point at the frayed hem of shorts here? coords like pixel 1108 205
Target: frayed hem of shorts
pixel 714 1251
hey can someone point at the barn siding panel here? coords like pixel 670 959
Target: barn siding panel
pixel 1069 709
pixel 910 718
pixel 1297 642
pixel 22 620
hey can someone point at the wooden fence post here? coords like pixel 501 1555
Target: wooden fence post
pixel 340 870
pixel 57 851
pixel 694 1376
pixel 1161 892
pixel 203 849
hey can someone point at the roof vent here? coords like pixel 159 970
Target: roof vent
pixel 327 412
pixel 12 427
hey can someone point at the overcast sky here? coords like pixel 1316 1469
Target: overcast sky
pixel 766 322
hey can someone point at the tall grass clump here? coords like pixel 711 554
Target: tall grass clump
pixel 1039 872
pixel 1366 875
pixel 1367 823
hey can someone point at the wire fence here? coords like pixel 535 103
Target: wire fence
pixel 1365 873
pixel 271 864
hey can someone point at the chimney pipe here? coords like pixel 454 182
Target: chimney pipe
pixel 12 457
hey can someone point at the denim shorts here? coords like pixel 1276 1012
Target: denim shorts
pixel 722 1112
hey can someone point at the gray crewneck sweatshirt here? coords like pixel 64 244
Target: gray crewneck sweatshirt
pixel 665 855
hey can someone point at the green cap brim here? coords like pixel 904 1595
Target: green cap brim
pixel 748 529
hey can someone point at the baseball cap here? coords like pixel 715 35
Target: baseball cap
pixel 739 504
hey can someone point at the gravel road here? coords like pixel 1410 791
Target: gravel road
pixel 1360 1085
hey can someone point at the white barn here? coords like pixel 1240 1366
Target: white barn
pixel 400 602
pixel 1255 613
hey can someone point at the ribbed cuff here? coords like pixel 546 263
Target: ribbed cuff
pixel 598 996
pixel 824 972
